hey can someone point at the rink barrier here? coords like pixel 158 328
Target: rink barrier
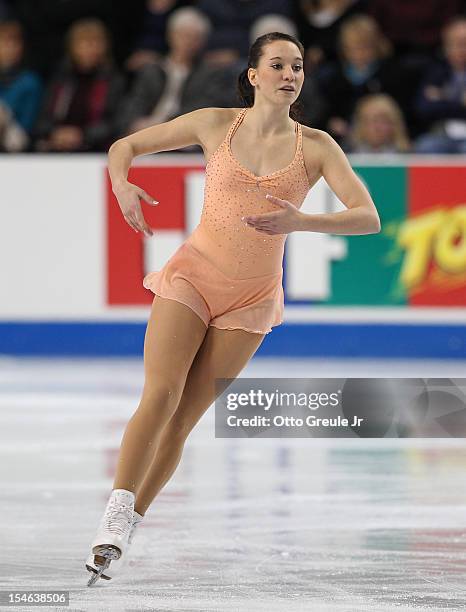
pixel 344 340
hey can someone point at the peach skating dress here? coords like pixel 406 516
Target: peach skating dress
pixel 229 274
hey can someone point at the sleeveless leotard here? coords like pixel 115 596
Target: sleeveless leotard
pixel 239 250
pixel 229 274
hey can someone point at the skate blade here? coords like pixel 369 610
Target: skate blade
pixel 110 553
pixel 96 575
pixel 91 569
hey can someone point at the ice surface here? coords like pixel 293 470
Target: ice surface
pixel 319 525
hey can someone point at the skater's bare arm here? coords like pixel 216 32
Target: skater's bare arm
pixel 361 216
pixel 180 132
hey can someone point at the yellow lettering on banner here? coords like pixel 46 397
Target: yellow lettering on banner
pixel 416 236
pixel 450 242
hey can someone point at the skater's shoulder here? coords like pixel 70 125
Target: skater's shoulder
pixel 314 136
pixel 216 116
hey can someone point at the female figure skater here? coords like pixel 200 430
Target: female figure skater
pixel 221 292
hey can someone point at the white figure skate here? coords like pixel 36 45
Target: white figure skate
pixel 112 537
pixel 116 564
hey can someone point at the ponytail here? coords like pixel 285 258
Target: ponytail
pixel 244 89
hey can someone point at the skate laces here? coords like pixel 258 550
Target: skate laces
pixel 117 519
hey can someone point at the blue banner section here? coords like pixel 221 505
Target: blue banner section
pixel 120 339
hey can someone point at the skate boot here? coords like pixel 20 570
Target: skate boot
pixel 111 540
pixel 116 564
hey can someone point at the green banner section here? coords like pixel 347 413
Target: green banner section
pixel 369 273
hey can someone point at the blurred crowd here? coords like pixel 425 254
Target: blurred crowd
pixel 380 75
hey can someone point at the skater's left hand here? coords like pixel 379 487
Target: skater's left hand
pixel 284 221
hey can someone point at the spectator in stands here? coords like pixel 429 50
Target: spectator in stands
pixel 319 25
pixel 46 23
pixel 176 84
pixel 442 96
pixel 12 138
pixel 413 26
pixel 20 89
pixel 152 44
pixel 231 20
pixel 81 100
pixel 365 67
pixel 378 126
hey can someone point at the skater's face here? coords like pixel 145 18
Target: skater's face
pixel 281 65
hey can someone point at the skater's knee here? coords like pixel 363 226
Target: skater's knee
pixel 161 397
pixel 177 430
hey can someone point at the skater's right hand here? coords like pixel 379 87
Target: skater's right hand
pixel 128 197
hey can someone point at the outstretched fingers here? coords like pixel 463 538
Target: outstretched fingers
pixel 147 198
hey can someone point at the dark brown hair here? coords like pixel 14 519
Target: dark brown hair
pixel 244 88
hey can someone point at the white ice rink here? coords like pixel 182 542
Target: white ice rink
pixel 319 525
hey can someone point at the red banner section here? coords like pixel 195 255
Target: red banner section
pixel 125 246
pixel 434 236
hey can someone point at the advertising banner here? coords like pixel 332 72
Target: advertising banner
pixel 418 259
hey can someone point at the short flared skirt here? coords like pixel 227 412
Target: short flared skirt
pixel 252 304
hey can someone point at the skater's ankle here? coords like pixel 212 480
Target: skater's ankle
pixel 125 490
pixel 139 512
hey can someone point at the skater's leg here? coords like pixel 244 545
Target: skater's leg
pixel 173 336
pixel 223 354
